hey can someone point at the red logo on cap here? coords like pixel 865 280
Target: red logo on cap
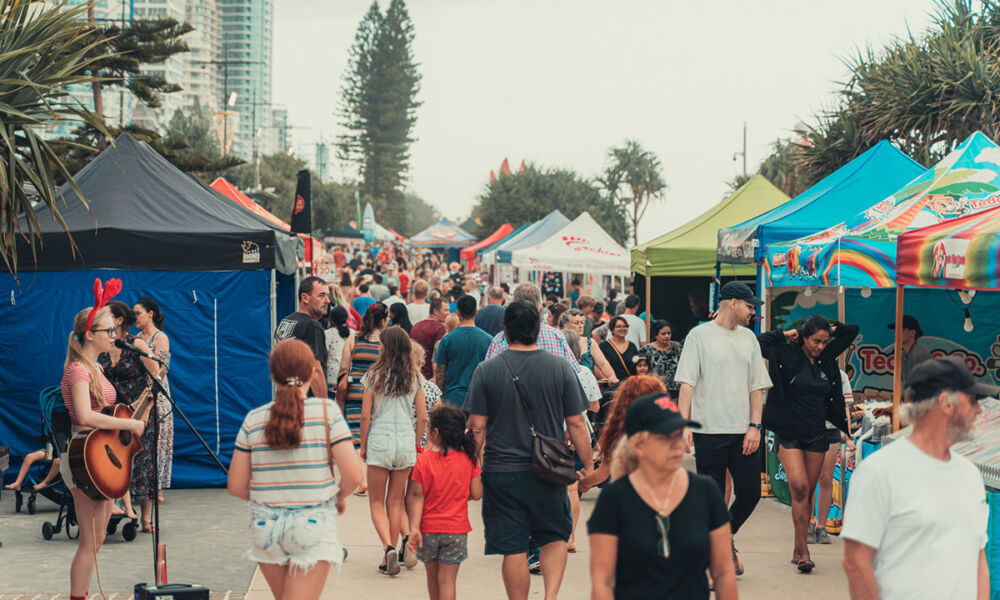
pixel 666 403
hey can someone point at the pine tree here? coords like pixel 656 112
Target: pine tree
pixel 379 104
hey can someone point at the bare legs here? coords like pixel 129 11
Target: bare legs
pixel 29 460
pixel 825 497
pixel 517 579
pixel 363 486
pixel 293 584
pixel 92 517
pixel 441 580
pixel 802 468
pixel 574 506
pixel 386 502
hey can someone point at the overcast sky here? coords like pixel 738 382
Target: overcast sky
pixel 558 82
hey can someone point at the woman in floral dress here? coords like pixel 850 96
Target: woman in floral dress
pixel 149 320
pixel 663 354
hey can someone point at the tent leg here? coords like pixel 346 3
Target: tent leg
pixel 649 312
pixel 841 316
pixel 897 371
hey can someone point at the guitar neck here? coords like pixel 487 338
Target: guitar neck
pixel 141 405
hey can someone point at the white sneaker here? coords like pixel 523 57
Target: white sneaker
pixel 391 561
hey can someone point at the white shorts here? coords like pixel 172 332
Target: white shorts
pixel 300 537
pixel 64 471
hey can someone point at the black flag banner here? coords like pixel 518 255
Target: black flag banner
pixel 302 207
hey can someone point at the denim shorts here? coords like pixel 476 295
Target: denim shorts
pixel 518 506
pixel 815 443
pixel 392 449
pixel 445 548
pixel 300 537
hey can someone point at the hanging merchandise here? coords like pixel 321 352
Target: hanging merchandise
pixel 552 284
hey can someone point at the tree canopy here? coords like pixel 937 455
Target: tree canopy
pixel 633 178
pixel 531 194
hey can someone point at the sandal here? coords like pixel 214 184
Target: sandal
pixel 805 566
pixel 147 526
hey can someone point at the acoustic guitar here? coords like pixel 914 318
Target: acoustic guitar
pixel 101 460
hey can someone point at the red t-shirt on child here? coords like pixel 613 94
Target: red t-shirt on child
pixel 446 480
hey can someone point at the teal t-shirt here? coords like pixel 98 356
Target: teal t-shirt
pixel 460 352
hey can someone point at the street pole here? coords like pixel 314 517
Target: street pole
pixel 744 149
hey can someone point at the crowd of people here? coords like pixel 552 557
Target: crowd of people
pixel 424 388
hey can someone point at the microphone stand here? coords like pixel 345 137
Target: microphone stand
pixel 155 521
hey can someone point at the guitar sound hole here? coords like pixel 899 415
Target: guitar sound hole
pixel 111 456
pixel 125 437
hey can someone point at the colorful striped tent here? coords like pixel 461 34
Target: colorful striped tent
pixel 861 251
pixel 962 253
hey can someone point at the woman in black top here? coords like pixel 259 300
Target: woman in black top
pixel 807 393
pixel 618 350
pixel 657 528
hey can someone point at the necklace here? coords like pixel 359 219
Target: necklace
pixel 661 508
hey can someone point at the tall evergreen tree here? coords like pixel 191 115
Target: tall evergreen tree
pixel 379 104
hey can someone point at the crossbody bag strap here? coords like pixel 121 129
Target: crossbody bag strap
pixel 326 430
pixel 520 392
pixel 620 357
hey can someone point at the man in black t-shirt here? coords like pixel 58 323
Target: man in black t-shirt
pixel 314 298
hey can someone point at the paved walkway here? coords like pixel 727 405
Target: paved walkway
pixel 206 536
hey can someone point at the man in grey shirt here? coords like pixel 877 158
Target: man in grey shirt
pixel 914 353
pixel 517 505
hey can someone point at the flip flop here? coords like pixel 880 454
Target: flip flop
pixel 806 566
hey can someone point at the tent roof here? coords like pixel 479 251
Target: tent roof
pixel 534 234
pixel 960 253
pixel 689 250
pixel 348 232
pixel 489 249
pixel 443 234
pixel 469 252
pixel 861 251
pixel 873 175
pixel 145 213
pixel 226 188
pixel 582 246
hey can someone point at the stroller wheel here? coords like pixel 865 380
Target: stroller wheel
pixel 112 527
pixel 47 530
pixel 31 504
pixel 129 531
pixel 18 501
pixel 72 530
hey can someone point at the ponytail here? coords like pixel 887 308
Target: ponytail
pixel 449 421
pixel 291 367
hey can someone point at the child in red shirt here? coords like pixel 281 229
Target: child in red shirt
pixel 437 501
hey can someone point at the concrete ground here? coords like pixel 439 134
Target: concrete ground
pixel 206 535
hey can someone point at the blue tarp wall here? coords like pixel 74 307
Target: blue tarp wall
pixel 219 323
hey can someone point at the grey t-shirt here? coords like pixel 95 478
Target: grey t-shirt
pixel 918 353
pixel 553 392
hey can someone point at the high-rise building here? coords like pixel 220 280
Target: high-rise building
pixel 247 31
pixel 322 161
pixel 202 81
pixel 173 69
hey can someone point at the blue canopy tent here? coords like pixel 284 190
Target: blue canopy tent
pixel 852 188
pixel 220 274
pixel 492 247
pixel 534 234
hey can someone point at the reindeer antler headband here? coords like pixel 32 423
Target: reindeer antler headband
pixel 101 297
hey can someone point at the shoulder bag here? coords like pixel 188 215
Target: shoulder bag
pixel 551 458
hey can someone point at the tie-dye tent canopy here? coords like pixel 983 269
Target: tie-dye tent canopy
pixel 879 171
pixel 962 253
pixel 861 251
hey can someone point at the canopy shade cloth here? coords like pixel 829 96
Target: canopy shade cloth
pixel 443 234
pixel 878 172
pixel 861 252
pixel 689 250
pixel 488 251
pixel 961 253
pixel 536 233
pixel 582 246
pixel 313 246
pixel 146 214
pixel 348 232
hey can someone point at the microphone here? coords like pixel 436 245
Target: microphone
pixel 119 343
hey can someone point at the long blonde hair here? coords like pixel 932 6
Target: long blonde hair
pixel 624 460
pixel 74 350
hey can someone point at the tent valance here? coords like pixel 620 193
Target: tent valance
pixel 582 246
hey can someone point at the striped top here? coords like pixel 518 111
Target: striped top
pixel 76 372
pixel 299 476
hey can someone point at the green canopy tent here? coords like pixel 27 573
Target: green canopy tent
pixel 687 255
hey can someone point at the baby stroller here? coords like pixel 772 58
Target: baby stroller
pixel 57 431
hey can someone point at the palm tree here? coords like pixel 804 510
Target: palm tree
pixel 43 51
pixel 641 172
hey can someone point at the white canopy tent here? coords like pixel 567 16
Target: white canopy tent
pixel 582 246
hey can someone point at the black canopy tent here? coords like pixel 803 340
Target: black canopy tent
pixel 144 213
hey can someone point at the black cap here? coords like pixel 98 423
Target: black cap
pixel 655 413
pixel 935 375
pixel 737 290
pixel 909 322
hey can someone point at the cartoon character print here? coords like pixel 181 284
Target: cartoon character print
pixel 938 208
pixel 940 254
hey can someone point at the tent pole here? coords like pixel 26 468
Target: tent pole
pixel 897 371
pixel 649 285
pixel 841 316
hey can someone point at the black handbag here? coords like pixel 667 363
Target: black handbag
pixel 551 458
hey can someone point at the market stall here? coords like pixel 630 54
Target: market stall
pixel 469 253
pixel 499 257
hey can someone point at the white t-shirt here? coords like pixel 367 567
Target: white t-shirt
pixel 926 519
pixel 393 300
pixel 723 366
pixel 418 312
pixel 636 330
pixel 845 383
